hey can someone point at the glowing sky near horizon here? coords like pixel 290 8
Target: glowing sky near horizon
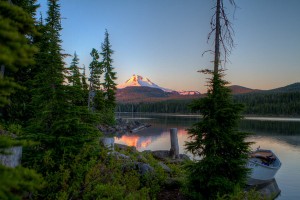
pixel 164 39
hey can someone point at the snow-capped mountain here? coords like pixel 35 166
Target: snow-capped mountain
pixel 137 80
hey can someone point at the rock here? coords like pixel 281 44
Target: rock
pixel 125 147
pixel 121 127
pixel 165 167
pixel 13 156
pixel 108 142
pixel 144 168
pixel 119 155
pixel 161 154
pixel 141 168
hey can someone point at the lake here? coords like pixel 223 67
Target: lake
pixel 281 135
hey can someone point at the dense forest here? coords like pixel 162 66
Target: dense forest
pixel 256 103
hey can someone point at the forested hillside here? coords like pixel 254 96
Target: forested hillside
pixel 275 102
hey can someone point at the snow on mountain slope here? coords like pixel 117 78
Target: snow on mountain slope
pixel 188 92
pixel 137 80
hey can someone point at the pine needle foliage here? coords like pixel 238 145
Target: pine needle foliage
pixel 109 84
pixel 61 126
pixel 18 110
pixel 218 143
pixel 96 70
pixel 15 52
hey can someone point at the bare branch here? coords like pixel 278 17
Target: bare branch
pixel 224 29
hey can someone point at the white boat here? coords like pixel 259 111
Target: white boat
pixel 264 164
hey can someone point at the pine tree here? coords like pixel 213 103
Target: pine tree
pixel 61 127
pixel 109 84
pixel 74 72
pixel 221 148
pixel 15 52
pixel 74 77
pixel 96 70
pixel 18 111
pixel 14 25
pixel 83 80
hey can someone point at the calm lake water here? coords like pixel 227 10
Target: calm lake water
pixel 282 135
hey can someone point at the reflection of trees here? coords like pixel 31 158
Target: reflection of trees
pixel 287 131
pixel 271 127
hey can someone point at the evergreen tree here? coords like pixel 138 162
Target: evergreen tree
pixel 15 52
pixel 74 72
pixel 216 139
pixel 62 128
pixel 74 79
pixel 109 84
pixel 83 80
pixel 18 111
pixel 96 70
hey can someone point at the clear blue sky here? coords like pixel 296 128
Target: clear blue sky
pixel 164 39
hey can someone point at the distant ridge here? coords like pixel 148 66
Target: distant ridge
pixel 237 89
pixel 139 89
pixel 294 87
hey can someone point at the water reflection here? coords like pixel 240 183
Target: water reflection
pixel 282 136
pixel 271 127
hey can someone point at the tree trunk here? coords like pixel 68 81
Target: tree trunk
pixel 174 151
pixel 217 38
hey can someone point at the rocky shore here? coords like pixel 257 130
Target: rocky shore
pixel 122 127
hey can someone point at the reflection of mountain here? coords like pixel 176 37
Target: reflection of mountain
pixel 160 125
pixel 156 133
pixel 135 140
pixel 142 139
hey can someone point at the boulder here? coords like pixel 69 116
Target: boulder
pixel 165 167
pixel 125 147
pixel 119 156
pixel 141 168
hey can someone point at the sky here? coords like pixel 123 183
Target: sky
pixel 164 39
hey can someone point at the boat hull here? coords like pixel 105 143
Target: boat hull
pixel 260 169
pixel 260 172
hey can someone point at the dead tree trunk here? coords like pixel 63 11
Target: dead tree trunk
pixel 217 37
pixel 174 151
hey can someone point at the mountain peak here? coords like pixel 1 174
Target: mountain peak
pixel 138 81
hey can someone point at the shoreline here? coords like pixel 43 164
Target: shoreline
pixel 246 117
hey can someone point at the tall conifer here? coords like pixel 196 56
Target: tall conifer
pixel 96 70
pixel 109 84
pixel 216 139
pixel 13 28
pixel 74 72
pixel 18 111
pixel 60 126
pixel 15 53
